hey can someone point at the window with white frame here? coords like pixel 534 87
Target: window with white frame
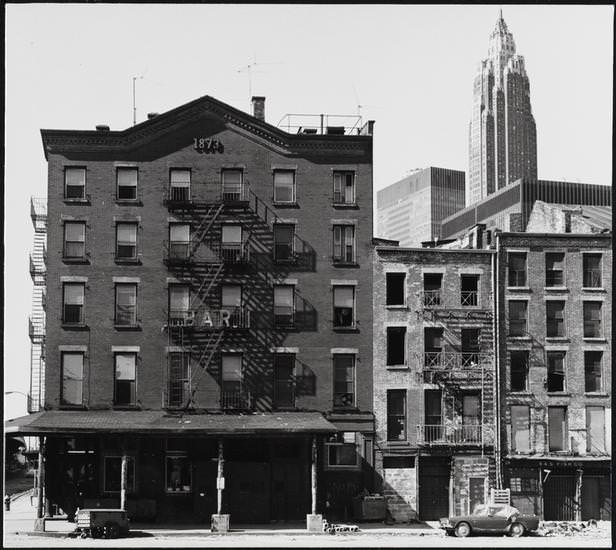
pixel 284 305
pixel 179 184
pixel 72 378
pixel 516 270
pixel 344 306
pixel 592 320
pixel 595 430
pixel 593 371
pixel 344 380
pixel 73 303
pixel 518 311
pixel 232 185
pixel 126 304
pixel 284 186
pixel 74 240
pixel 344 187
pixel 74 183
pixel 126 183
pixel 179 304
pixel 125 379
pixel 179 241
pixel 344 244
pixel 342 453
pixel 555 319
pixel 284 237
pixel 126 240
pixel 554 269
pixel 520 428
pixel 591 271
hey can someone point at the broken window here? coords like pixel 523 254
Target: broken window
pixel 518 367
pixel 72 378
pixel 432 289
pixel 555 319
pixel 592 271
pixel 395 289
pixel 470 346
pixel 520 428
pixel 433 346
pixel 595 430
pixel 592 320
pixel 592 371
pixel 556 371
pixel 554 269
pixel 517 269
pixel 557 428
pixel 469 290
pixel 396 345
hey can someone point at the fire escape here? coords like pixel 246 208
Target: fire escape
pixel 36 322
pixel 214 235
pixel 458 363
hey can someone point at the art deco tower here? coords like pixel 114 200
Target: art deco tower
pixel 502 137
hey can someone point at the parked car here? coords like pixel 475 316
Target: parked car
pixel 495 519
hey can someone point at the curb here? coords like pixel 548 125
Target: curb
pixel 15 496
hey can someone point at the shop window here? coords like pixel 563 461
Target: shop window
pixel 74 183
pixel 592 371
pixel 516 272
pixel 592 271
pixel 556 371
pixel 178 474
pixel 344 380
pixel 595 430
pixel 555 319
pixel 518 369
pixel 518 310
pixel 592 320
pixel 557 428
pixel 344 244
pixel 396 345
pixel 74 240
pixel 284 186
pixel 395 295
pixel 520 428
pixel 554 269
pixel 72 378
pixel 112 474
pixel 73 307
pixel 396 415
pixel 344 188
pixel 127 184
pixel 344 306
pixel 125 378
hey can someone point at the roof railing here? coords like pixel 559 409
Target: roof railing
pixel 323 124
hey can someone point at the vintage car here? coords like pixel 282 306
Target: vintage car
pixel 496 519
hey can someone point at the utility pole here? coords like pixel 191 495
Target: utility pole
pixel 135 78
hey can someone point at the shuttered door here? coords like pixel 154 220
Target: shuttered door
pixel 559 498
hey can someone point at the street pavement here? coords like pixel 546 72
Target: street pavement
pixel 18 532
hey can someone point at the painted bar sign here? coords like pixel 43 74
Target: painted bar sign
pixel 208 145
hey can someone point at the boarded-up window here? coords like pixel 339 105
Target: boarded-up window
pixel 557 427
pixel 595 430
pixel 520 428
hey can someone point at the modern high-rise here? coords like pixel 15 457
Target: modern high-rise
pixel 502 132
pixel 410 211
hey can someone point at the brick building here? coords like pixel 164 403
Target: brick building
pixel 434 379
pixel 554 351
pixel 209 302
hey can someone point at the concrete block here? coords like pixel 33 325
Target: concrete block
pixel 220 523
pixel 314 523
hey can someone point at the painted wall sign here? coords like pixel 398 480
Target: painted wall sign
pixel 208 145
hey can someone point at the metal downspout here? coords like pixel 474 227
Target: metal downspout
pixel 496 332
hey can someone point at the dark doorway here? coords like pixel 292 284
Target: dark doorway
pixel 591 498
pixel 433 487
pixel 248 491
pixel 559 498
pixel 205 496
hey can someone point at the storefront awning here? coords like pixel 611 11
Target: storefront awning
pixel 562 460
pixel 160 422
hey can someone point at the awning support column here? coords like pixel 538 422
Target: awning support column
pixel 220 476
pixel 578 494
pixel 123 477
pixel 40 481
pixel 313 481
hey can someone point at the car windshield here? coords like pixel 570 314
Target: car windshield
pixel 498 511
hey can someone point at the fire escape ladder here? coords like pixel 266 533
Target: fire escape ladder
pixel 206 224
pixel 208 351
pixel 210 278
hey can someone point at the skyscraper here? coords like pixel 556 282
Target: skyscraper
pixel 502 133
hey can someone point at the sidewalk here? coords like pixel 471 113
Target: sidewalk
pixel 21 518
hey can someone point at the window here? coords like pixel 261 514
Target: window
pixel 284 380
pixel 518 368
pixel 517 317
pixel 432 289
pixel 72 378
pixel 232 243
pixel 126 241
pixel 520 428
pixel 592 270
pixel 470 346
pixel 469 290
pixel 595 430
pixel 284 186
pixel 113 474
pixel 517 269
pixel 433 346
pixel 283 242
pixel 232 185
pixel 557 428
pixel 75 183
pixel 284 305
pixel 344 244
pixel 344 380
pixel 396 415
pixel 74 240
pixel 471 417
pixel 395 295
pixel 126 304
pixel 592 320
pixel 178 379
pixel 555 319
pixel 179 304
pixel 125 378
pixel 342 455
pixel 178 474
pixel 433 414
pixel 179 185
pixel 344 187
pixel 556 371
pixel 231 302
pixel 73 310
pixel 395 462
pixel 554 269
pixel 232 378
pixel 127 184
pixel 592 371
pixel 396 345
pixel 344 306
pixel 179 241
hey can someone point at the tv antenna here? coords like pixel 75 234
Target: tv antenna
pixel 249 69
pixel 135 78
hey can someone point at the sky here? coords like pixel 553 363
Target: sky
pixel 409 68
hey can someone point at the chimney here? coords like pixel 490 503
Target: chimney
pixel 102 128
pixel 258 107
pixel 152 115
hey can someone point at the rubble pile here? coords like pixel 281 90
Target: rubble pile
pixel 333 528
pixel 590 528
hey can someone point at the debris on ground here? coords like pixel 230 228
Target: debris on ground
pixel 590 528
pixel 333 528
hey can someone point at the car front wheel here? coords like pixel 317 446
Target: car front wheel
pixel 517 530
pixel 463 529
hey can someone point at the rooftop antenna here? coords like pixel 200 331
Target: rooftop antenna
pixel 249 68
pixel 135 78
